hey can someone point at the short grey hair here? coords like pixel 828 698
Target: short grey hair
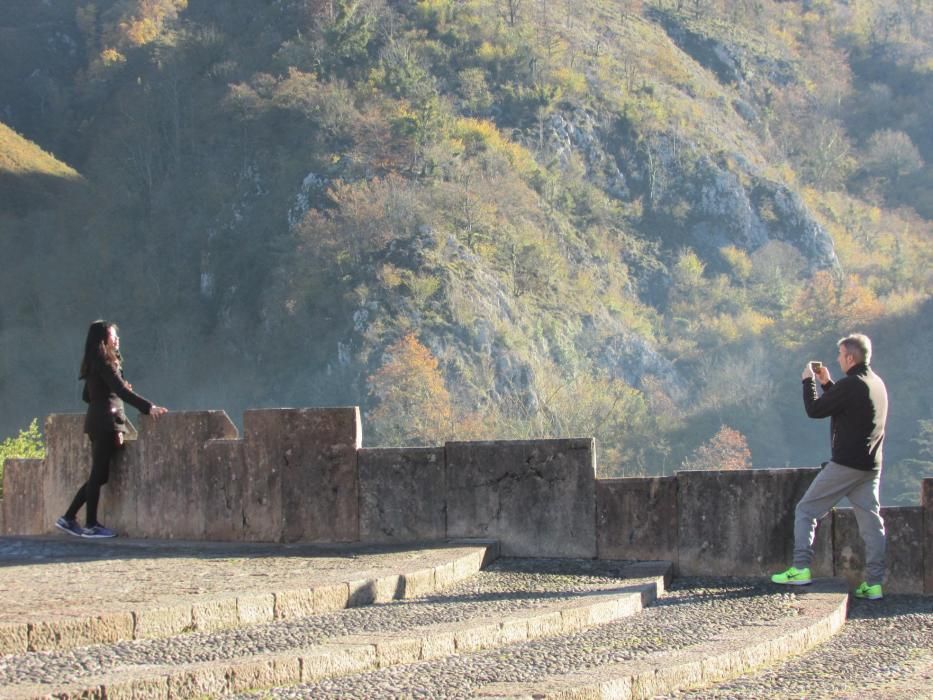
pixel 857 344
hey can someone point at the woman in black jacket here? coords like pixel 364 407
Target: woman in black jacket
pixel 105 390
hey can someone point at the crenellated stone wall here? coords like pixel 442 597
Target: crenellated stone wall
pixel 302 475
pixel 188 475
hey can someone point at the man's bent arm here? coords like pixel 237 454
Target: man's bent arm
pixel 833 399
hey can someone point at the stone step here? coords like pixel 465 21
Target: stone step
pixel 884 650
pixel 487 611
pixel 701 626
pixel 62 593
pixel 821 614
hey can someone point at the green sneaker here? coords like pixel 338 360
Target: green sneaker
pixel 793 577
pixel 869 592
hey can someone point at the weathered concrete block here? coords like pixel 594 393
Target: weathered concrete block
pixel 362 592
pixel 23 503
pixel 294 604
pixel 603 610
pixel 67 466
pixel 418 583
pixel 155 623
pixel 255 608
pixel 375 587
pixel 263 672
pixel 214 615
pixel 68 633
pixel 926 500
pixel 574 617
pixel 513 630
pixel 904 529
pixel 438 641
pixel 391 649
pixel 637 518
pixel 75 692
pixel 223 467
pixel 468 564
pixel 444 575
pixel 329 660
pixel 402 494
pixel 203 680
pixel 302 480
pixel 537 497
pixel 138 689
pixel 476 634
pixel 172 493
pixel 543 625
pixel 14 638
pixel 742 522
pixel 389 587
pixel 126 489
pixel 330 597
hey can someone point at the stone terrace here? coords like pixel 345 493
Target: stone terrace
pixel 291 562
pixel 301 475
pixel 351 621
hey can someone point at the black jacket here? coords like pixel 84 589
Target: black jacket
pixel 858 408
pixel 105 390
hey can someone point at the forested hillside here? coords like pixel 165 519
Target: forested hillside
pixel 482 219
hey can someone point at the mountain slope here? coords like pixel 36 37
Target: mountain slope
pixel 481 219
pixel 29 176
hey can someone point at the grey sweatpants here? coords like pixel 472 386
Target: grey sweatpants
pixel 828 488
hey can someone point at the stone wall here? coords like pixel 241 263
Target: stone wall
pixel 188 475
pixel 636 518
pixel 403 494
pixel 537 497
pixel 904 529
pixel 301 475
pixel 743 519
pixel 926 551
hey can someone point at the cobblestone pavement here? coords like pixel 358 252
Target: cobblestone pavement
pixel 694 609
pixel 885 650
pixel 62 576
pixel 496 592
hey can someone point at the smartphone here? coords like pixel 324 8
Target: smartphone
pixel 816 366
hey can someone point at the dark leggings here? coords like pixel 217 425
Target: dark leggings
pixel 102 448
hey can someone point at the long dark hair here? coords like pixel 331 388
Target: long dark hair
pixel 97 350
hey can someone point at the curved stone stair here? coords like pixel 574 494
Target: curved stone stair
pixel 475 615
pixel 821 613
pixel 63 593
pixel 426 622
pixel 706 630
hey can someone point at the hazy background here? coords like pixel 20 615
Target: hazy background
pixel 493 219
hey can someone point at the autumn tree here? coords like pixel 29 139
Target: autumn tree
pixel 891 155
pixel 412 404
pixel 726 450
pixel 363 218
pixel 829 302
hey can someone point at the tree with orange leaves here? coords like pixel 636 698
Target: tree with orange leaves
pixel 727 449
pixel 828 301
pixel 413 405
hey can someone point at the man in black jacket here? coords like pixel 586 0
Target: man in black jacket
pixel 857 406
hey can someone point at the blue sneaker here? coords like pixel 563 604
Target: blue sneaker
pixel 69 526
pixel 97 532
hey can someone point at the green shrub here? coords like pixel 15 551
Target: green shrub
pixel 27 445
